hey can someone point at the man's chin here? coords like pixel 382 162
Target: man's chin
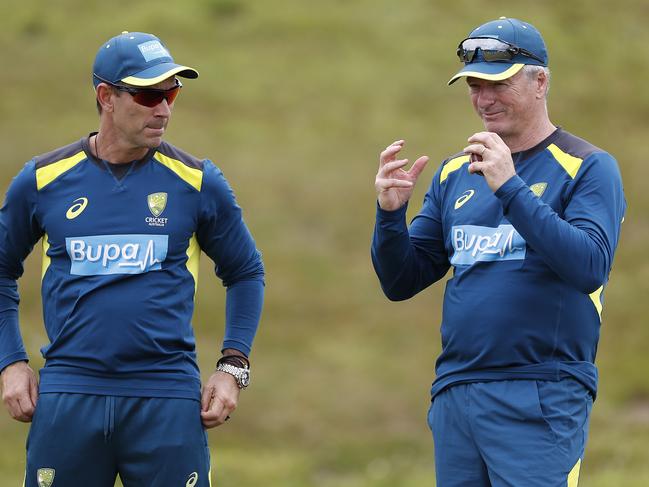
pixel 493 126
pixel 153 141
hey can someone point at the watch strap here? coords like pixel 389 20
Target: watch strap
pixel 240 374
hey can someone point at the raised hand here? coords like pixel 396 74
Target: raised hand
pixel 490 157
pixel 394 185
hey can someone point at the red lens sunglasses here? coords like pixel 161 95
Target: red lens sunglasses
pixel 148 97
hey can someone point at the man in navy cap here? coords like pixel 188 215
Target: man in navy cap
pixel 123 217
pixel 528 216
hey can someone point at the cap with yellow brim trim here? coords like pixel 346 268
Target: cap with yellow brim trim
pixel 137 59
pixel 498 49
pixel 489 71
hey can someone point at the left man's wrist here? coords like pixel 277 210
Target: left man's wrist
pixel 238 366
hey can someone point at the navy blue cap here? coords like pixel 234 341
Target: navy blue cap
pixel 138 59
pixel 514 32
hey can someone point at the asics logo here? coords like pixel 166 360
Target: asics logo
pixel 77 208
pixel 466 196
pixel 192 480
pixel 116 254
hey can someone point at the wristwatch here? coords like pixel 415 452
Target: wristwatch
pixel 241 374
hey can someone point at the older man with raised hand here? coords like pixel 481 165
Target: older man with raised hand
pixel 528 215
pixel 123 217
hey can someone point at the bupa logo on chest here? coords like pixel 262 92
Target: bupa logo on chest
pixel 116 254
pixel 473 244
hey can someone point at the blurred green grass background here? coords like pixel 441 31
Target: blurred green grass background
pixel 295 100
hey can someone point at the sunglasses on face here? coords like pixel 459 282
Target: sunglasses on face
pixel 491 49
pixel 148 97
pixel 151 97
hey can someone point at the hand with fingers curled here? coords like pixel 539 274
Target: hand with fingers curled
pixel 219 398
pixel 20 391
pixel 394 185
pixel 491 158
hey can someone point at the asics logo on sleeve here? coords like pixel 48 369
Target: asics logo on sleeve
pixel 77 208
pixel 485 244
pixel 192 480
pixel 116 254
pixel 466 196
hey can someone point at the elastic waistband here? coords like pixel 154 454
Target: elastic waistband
pixel 584 372
pixel 74 380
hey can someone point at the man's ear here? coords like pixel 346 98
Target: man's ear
pixel 541 84
pixel 105 95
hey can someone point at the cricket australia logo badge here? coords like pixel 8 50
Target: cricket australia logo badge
pixel 45 477
pixel 539 188
pixel 157 203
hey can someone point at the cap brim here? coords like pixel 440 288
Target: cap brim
pixel 490 71
pixel 158 73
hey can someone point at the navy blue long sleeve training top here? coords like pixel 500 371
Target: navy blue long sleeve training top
pixel 120 268
pixel 530 262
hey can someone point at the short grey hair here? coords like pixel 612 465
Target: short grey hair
pixel 532 71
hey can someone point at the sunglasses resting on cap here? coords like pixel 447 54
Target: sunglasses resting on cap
pixel 491 50
pixel 499 49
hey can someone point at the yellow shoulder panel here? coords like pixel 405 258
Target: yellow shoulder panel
pixel 452 165
pixel 573 476
pixel 570 163
pixel 193 258
pixel 46 258
pixel 596 298
pixel 45 175
pixel 192 176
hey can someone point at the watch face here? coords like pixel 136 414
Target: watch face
pixel 245 378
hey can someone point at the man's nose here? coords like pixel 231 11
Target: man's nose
pixel 162 109
pixel 486 96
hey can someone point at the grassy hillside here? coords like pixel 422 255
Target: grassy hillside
pixel 294 102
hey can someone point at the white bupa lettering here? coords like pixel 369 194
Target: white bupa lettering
pixel 116 254
pixel 485 244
